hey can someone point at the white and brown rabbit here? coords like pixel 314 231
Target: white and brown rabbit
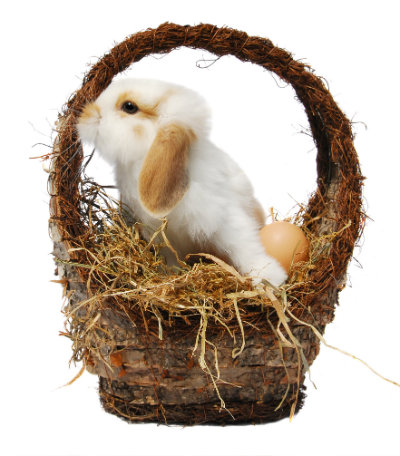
pixel 155 134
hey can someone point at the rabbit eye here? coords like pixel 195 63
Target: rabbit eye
pixel 129 107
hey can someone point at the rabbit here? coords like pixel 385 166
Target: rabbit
pixel 156 136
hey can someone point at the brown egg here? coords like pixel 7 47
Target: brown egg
pixel 285 242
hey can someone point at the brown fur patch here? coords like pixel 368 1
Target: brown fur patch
pixel 163 179
pixel 144 110
pixel 149 111
pixel 125 96
pixel 138 130
pixel 153 111
pixel 89 111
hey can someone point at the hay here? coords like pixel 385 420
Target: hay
pixel 197 344
pixel 127 273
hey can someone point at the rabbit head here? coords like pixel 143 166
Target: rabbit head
pixel 152 123
pixel 124 120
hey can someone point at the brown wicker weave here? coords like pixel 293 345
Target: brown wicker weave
pixel 145 379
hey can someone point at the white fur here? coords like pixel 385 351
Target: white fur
pixel 216 208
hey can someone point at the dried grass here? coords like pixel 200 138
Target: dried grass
pixel 130 274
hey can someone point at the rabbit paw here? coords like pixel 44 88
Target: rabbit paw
pixel 270 270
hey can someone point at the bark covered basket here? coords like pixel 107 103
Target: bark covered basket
pixel 244 361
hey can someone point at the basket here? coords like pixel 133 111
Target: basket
pixel 148 363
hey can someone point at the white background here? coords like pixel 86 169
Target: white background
pixel 46 47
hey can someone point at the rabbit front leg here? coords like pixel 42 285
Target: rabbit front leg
pixel 264 266
pixel 242 242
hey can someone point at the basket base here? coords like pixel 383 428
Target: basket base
pixel 194 414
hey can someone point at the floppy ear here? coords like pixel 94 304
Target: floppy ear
pixel 163 179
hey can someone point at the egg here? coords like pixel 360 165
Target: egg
pixel 285 242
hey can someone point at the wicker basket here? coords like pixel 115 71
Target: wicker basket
pixel 144 378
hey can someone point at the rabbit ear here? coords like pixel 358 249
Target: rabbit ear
pixel 163 179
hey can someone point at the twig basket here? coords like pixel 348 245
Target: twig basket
pixel 250 368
